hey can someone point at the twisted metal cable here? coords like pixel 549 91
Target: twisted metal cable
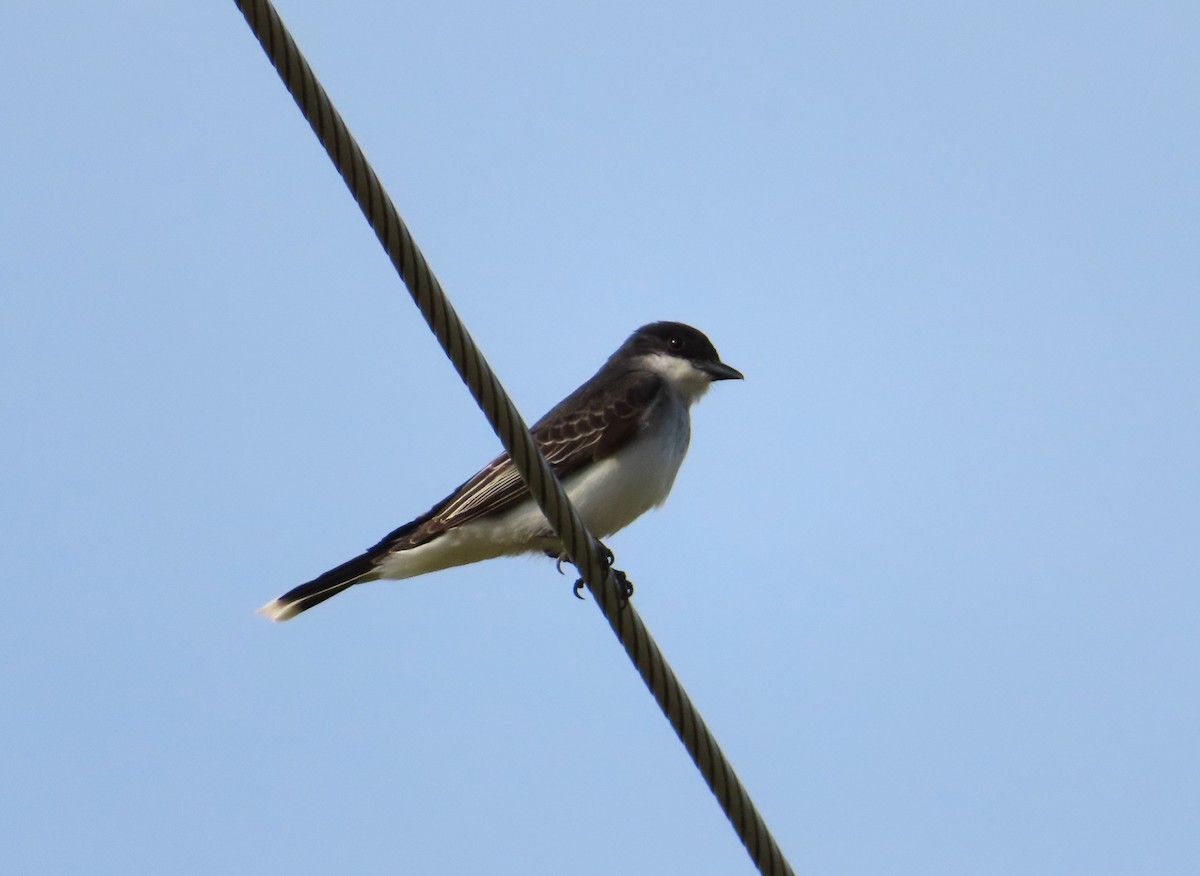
pixel 580 545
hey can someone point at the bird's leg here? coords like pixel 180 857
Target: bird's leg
pixel 624 585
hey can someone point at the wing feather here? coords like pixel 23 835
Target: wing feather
pixel 587 426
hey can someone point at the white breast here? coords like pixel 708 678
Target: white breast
pixel 616 491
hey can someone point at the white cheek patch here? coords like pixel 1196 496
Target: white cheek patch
pixel 689 380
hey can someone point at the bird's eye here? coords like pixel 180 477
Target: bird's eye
pixel 676 342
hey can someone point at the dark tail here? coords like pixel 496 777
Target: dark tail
pixel 361 568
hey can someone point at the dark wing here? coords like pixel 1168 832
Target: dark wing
pixel 588 425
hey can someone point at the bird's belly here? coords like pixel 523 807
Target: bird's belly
pixel 614 492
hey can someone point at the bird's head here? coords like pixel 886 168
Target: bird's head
pixel 680 354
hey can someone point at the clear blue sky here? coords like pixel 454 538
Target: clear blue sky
pixel 930 572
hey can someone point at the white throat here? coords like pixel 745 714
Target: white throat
pixel 686 379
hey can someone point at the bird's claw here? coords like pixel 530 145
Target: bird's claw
pixel 624 588
pixel 624 585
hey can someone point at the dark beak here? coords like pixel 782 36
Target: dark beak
pixel 720 371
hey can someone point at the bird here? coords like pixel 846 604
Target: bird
pixel 616 443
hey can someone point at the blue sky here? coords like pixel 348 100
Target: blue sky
pixel 930 572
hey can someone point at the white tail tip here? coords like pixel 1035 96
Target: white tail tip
pixel 278 610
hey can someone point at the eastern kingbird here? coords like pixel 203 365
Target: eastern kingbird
pixel 616 443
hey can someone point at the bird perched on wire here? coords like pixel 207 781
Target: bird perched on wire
pixel 616 443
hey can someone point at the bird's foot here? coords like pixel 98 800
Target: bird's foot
pixel 624 588
pixel 561 557
pixel 624 585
